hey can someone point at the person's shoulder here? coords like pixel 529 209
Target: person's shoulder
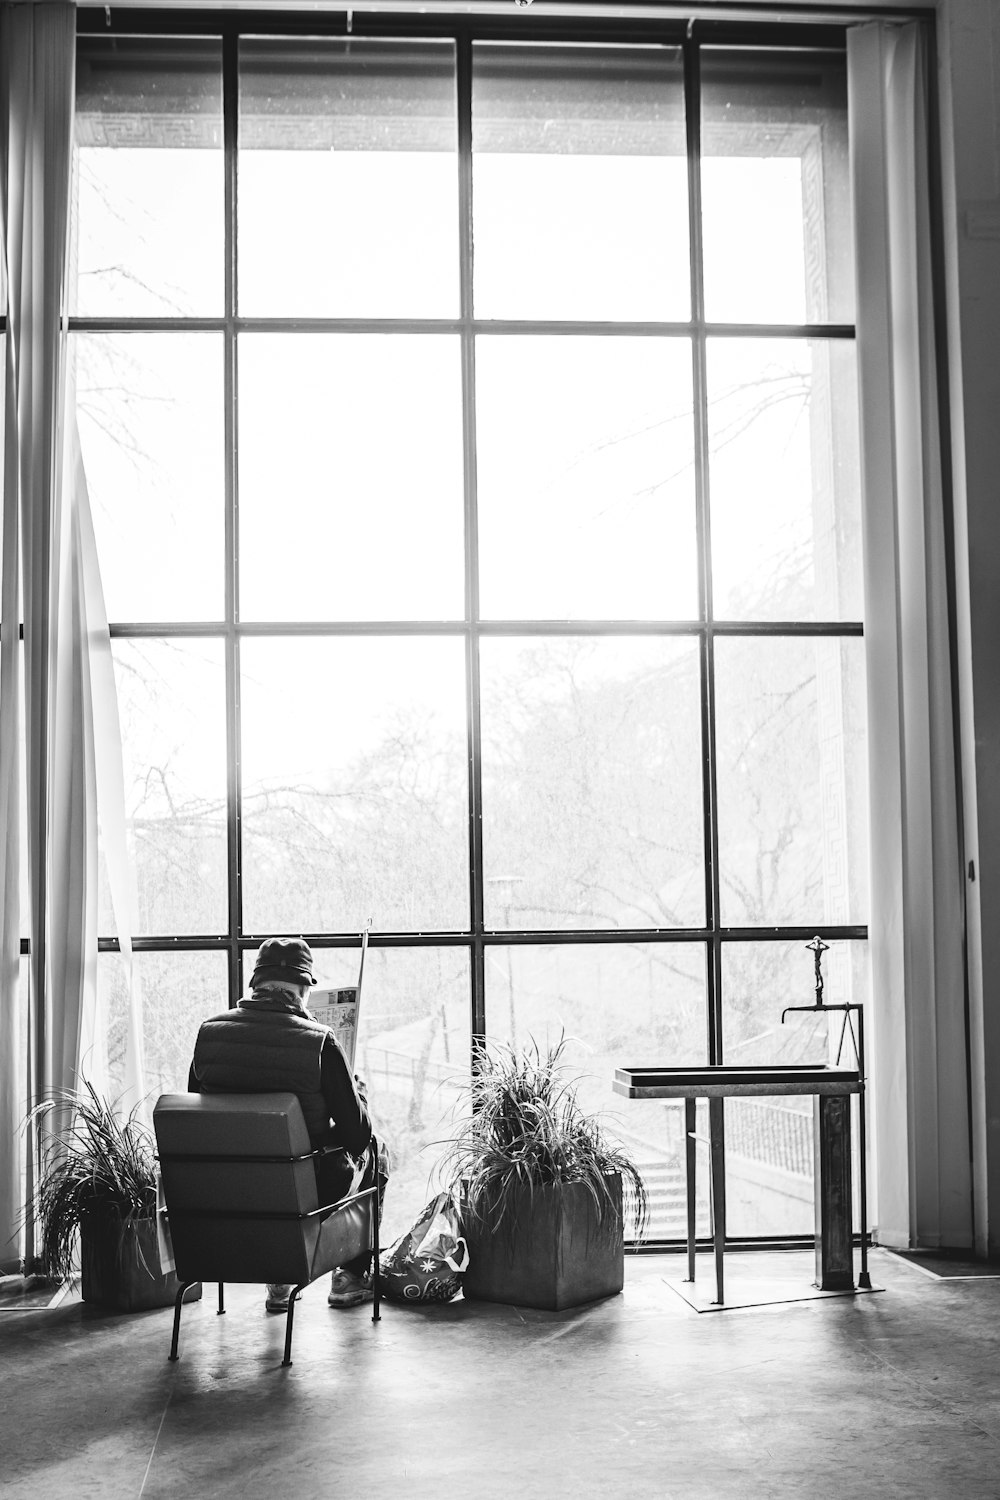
pixel 223 1015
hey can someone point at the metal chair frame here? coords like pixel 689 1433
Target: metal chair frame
pixel 316 1213
pixel 236 1215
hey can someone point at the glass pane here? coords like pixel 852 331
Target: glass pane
pixel 760 979
pixel 585 476
pixel 790 735
pixel 628 1005
pixel 24 877
pixel 776 208
pixel 177 992
pixel 354 785
pixel 592 800
pixel 148 229
pixel 579 182
pixel 769 1166
pixel 773 1138
pixel 357 512
pixel 348 202
pixel 150 410
pixel 413 1051
pixel 172 704
pixel 785 480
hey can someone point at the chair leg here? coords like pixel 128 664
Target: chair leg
pixel 172 1356
pixel 222 1304
pixel 288 1323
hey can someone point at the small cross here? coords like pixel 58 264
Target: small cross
pixel 818 948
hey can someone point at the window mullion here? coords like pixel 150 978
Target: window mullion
pixel 472 675
pixel 230 106
pixel 699 370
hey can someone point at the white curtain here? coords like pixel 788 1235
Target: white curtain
pixel 916 927
pixel 72 742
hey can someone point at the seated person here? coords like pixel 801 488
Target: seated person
pixel 270 1043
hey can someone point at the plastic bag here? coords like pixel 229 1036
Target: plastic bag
pixel 426 1263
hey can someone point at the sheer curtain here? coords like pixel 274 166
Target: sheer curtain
pixel 72 742
pixel 917 944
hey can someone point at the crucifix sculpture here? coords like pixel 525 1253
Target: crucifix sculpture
pixel 818 948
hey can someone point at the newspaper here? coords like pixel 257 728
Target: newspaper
pixel 340 1009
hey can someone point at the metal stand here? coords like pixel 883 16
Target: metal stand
pixel 847 1008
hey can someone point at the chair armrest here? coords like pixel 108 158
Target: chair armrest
pixel 232 1160
pixel 329 1208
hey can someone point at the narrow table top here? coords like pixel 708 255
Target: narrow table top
pixel 727 1082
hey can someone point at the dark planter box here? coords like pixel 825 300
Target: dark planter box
pixel 548 1251
pixel 120 1267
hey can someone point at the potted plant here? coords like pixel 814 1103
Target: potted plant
pixel 97 1188
pixel 542 1191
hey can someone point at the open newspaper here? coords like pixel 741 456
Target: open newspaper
pixel 340 1009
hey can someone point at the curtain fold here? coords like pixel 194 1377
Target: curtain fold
pixel 917 917
pixel 72 740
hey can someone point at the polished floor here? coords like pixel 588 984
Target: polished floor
pixel 891 1393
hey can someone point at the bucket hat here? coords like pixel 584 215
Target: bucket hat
pixel 289 959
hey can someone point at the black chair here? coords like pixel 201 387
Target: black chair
pixel 239 1182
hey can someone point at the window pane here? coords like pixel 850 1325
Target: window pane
pixel 776 208
pixel 635 1005
pixel 790 734
pixel 579 183
pixel 413 1051
pixel 172 704
pixel 772 1139
pixel 591 783
pixel 178 991
pixel 760 979
pixel 585 477
pixel 151 426
pixel 769 1166
pixel 785 480
pixel 348 201
pixel 24 881
pixel 149 178
pixel 357 512
pixel 354 785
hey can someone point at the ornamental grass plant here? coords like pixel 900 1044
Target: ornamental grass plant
pixel 96 1169
pixel 527 1131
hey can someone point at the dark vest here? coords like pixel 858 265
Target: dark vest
pixel 257 1050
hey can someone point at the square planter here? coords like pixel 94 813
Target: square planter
pixel 120 1267
pixel 548 1251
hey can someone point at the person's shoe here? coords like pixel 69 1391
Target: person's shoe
pixel 277 1296
pixel 348 1290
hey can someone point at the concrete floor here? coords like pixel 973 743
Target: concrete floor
pixel 895 1393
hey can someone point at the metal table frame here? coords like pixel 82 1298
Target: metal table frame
pixel 831 1088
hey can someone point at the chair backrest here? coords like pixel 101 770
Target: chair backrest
pixel 239 1182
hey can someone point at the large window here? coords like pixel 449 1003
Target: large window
pixel 470 424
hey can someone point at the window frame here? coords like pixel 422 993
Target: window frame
pixel 689 38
